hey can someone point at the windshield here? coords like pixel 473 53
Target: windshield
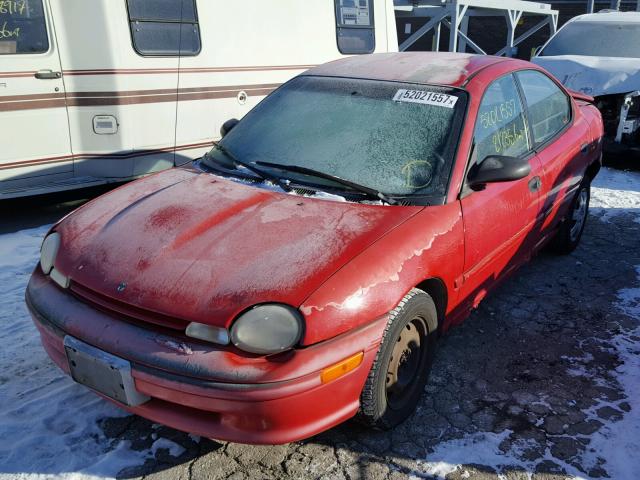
pixel 596 39
pixel 390 137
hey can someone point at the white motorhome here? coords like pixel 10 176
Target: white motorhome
pixel 98 91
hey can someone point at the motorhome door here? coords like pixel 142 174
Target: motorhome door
pixel 35 145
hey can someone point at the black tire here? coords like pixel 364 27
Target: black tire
pixel 388 398
pixel 569 234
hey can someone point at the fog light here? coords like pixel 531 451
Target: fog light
pixel 341 368
pixel 208 333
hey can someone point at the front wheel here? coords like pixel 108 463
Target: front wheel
pixel 568 236
pixel 401 368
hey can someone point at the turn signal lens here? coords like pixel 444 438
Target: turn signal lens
pixel 208 333
pixel 341 368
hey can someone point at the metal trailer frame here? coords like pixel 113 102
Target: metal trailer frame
pixel 614 5
pixel 455 15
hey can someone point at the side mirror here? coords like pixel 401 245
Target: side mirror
pixel 497 168
pixel 536 51
pixel 228 126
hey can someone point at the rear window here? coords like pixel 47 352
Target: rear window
pixel 596 39
pixel 164 27
pixel 23 27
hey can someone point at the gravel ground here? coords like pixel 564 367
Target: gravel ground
pixel 532 367
pixel 529 377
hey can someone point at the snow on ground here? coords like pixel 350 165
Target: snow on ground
pixel 613 193
pixel 49 427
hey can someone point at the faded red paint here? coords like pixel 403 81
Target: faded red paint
pixel 193 247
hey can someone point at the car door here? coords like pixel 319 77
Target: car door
pixel 561 145
pixel 36 148
pixel 499 219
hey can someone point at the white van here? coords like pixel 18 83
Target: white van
pixel 98 91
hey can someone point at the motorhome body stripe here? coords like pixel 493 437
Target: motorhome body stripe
pixel 105 156
pixel 134 97
pixel 163 71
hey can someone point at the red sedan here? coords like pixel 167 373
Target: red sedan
pixel 300 273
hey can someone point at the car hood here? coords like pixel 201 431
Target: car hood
pixel 594 76
pixel 198 247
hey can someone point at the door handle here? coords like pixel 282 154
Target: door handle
pixel 534 184
pixel 48 75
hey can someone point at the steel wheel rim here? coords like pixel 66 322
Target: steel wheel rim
pixel 579 215
pixel 405 364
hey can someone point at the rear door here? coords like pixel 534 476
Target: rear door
pixel 561 145
pixel 499 220
pixel 35 147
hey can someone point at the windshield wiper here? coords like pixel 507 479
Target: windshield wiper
pixel 327 176
pixel 259 172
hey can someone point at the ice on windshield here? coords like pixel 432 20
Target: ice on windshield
pixel 596 39
pixel 355 130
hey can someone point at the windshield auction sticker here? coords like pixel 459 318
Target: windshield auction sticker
pixel 426 98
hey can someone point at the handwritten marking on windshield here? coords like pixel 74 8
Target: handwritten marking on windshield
pixel 422 168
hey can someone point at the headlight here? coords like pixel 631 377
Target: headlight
pixel 267 329
pixel 48 252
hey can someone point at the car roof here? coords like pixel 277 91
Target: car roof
pixel 433 68
pixel 605 17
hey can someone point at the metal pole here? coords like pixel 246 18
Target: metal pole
pixel 464 29
pixel 615 4
pixel 453 29
pixel 591 6
pixel 638 6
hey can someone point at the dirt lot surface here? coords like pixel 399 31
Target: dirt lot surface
pixel 531 368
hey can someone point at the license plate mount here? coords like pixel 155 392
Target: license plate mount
pixel 103 372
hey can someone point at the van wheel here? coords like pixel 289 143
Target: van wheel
pixel 568 236
pixel 401 368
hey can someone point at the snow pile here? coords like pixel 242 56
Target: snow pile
pixel 615 192
pixel 48 424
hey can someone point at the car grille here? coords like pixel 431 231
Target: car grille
pixel 129 312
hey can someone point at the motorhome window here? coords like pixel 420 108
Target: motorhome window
pixel 355 27
pixel 23 28
pixel 164 27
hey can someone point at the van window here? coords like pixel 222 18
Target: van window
pixel 500 128
pixel 549 108
pixel 355 27
pixel 23 27
pixel 164 27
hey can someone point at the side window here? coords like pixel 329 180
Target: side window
pixel 500 127
pixel 23 28
pixel 164 27
pixel 549 108
pixel 355 27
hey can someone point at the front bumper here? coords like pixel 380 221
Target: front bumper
pixel 209 390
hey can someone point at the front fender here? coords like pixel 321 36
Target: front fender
pixel 430 244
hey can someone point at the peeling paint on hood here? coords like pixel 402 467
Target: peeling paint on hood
pixel 594 76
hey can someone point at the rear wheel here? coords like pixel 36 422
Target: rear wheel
pixel 401 368
pixel 568 236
